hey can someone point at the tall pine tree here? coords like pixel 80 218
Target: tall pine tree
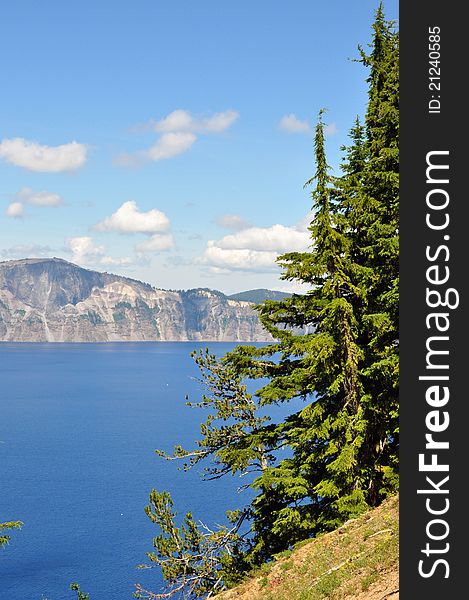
pixel 336 347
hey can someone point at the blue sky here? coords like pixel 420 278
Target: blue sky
pixel 169 140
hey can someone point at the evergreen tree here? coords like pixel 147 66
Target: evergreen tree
pixel 336 347
pixel 192 557
pixel 4 538
pixel 74 587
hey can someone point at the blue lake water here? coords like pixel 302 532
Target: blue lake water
pixel 79 424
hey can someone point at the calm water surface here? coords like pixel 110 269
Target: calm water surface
pixel 79 424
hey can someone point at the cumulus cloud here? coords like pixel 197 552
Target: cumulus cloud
pixel 156 243
pixel 15 210
pixel 43 159
pixel 292 124
pixel 26 251
pixel 239 259
pixel 277 238
pixel 232 222
pixel 115 262
pixel 84 250
pixel 153 223
pixel 179 131
pixel 184 121
pixel 86 253
pixel 218 123
pixel 170 145
pixel 178 120
pixel 255 248
pixel 167 146
pixel 28 196
pixel 129 219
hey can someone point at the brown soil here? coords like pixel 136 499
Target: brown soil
pixel 358 561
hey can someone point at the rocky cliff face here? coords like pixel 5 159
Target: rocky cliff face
pixel 52 300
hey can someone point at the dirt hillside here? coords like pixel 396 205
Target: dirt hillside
pixel 359 561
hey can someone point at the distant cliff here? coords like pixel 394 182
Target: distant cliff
pixel 52 300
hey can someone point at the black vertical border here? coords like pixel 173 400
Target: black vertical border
pixel 420 133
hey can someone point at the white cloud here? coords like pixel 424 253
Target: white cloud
pixel 115 262
pixel 256 248
pixel 178 120
pixel 27 251
pixel 153 223
pixel 233 222
pixel 43 159
pixel 129 219
pixel 156 243
pixel 239 259
pixel 277 238
pixel 28 196
pixel 15 210
pixel 178 134
pixel 86 253
pixel 84 250
pixel 184 121
pixel 292 124
pixel 218 123
pixel 170 145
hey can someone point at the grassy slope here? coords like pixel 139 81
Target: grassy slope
pixel 359 561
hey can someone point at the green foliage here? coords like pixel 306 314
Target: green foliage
pixel 94 318
pixel 9 525
pixel 123 305
pixel 80 595
pixel 259 295
pixel 228 436
pixel 336 347
pixel 192 557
